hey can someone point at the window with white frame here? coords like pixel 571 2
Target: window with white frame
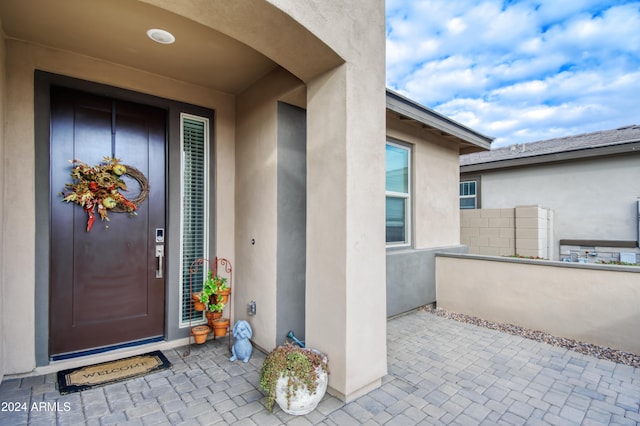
pixel 194 210
pixel 398 194
pixel 469 194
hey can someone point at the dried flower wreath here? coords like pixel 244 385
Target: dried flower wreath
pixel 98 187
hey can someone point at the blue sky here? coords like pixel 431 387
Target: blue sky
pixel 519 71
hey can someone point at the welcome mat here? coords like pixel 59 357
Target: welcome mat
pixel 82 378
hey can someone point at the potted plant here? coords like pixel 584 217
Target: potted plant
pixel 214 315
pixel 220 326
pixel 294 377
pixel 208 290
pixel 221 289
pixel 199 333
pixel 214 311
pixel 197 303
pixel 215 288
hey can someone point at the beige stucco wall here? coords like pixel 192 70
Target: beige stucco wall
pixel 436 219
pixel 256 202
pixel 346 128
pixel 22 60
pixel 595 304
pixel 345 152
pixel 3 240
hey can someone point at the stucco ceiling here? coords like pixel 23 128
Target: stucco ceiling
pixel 115 30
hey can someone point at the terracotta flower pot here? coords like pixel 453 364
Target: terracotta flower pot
pixel 200 333
pixel 211 316
pixel 223 295
pixel 197 304
pixel 220 327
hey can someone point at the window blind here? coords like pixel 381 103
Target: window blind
pixel 194 209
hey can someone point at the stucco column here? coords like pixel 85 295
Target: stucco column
pixel 346 296
pixel 3 240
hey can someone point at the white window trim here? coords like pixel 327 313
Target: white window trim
pixel 474 196
pixel 207 174
pixel 408 212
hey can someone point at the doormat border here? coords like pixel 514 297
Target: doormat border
pixel 66 388
pixel 103 349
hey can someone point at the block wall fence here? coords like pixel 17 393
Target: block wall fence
pixel 523 230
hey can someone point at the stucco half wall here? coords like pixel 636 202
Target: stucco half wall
pixel 411 278
pixel 590 303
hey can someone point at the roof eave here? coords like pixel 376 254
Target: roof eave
pixel 428 117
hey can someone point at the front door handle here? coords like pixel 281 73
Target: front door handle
pixel 160 257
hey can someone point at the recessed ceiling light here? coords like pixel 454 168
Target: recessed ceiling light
pixel 161 36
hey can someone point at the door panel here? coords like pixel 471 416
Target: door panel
pixel 103 285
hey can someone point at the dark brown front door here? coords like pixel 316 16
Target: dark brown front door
pixel 104 288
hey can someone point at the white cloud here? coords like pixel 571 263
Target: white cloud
pixel 456 26
pixel 520 71
pixel 524 89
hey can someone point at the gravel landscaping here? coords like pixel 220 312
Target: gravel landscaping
pixel 614 355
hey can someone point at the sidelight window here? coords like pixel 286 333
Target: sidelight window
pixel 194 210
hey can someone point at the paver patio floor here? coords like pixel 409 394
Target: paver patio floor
pixel 439 372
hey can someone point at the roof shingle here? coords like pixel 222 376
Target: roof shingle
pixel 621 135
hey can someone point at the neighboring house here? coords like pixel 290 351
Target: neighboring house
pixel 589 183
pixel 261 132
